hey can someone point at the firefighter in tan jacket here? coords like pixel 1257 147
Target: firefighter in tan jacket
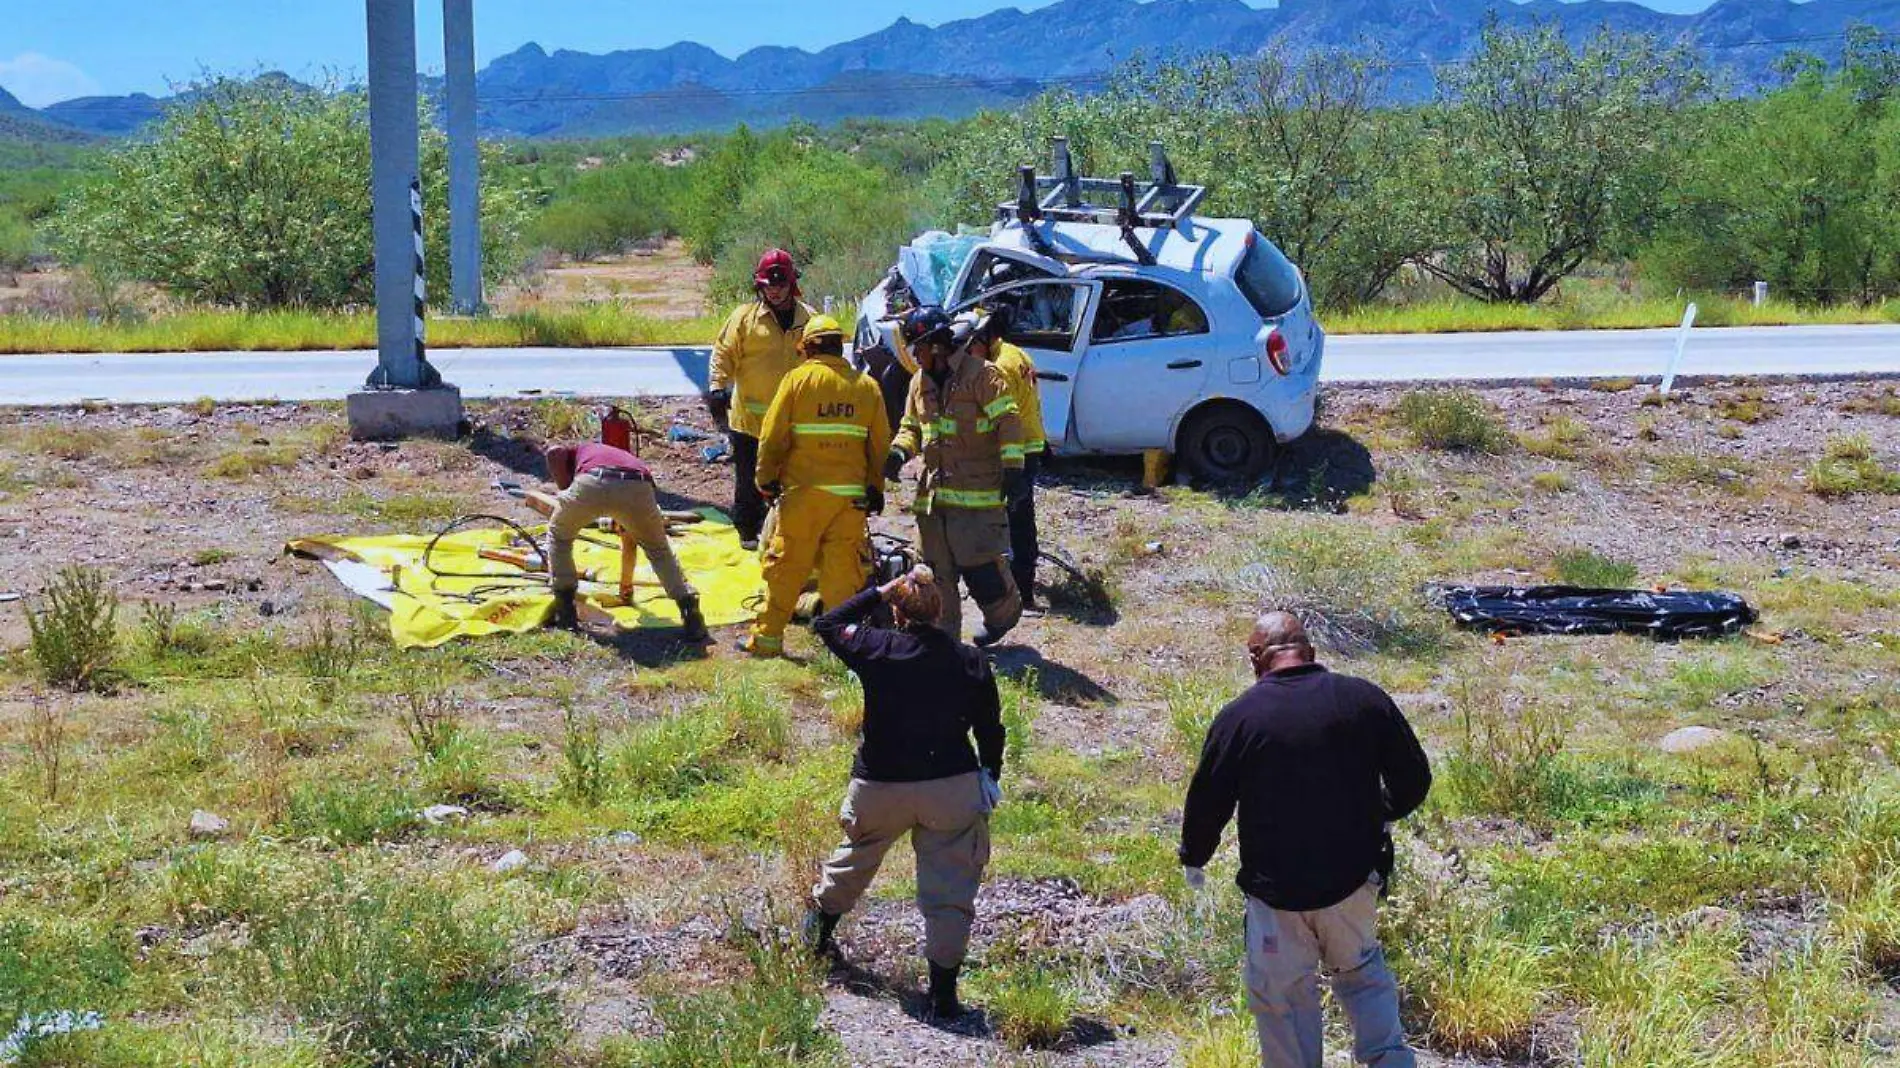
pixel 961 418
pixel 756 347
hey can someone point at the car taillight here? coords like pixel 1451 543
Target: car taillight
pixel 1276 352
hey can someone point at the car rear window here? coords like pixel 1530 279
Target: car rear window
pixel 1268 279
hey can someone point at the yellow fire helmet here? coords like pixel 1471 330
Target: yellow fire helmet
pixel 820 326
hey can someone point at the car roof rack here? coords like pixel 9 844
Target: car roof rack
pixel 1160 203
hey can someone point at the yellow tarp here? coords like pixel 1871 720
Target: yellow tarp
pixel 427 609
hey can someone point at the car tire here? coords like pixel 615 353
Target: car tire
pixel 1226 445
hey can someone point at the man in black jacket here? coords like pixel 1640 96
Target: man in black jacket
pixel 925 694
pixel 1318 764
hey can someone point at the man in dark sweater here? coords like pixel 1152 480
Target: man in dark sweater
pixel 915 773
pixel 1319 765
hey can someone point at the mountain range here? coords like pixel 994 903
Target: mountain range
pixel 908 70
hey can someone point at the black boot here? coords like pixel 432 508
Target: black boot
pixel 819 928
pixel 985 637
pixel 943 993
pixel 692 621
pixel 565 616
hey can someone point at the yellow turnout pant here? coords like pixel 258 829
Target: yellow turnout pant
pixel 817 529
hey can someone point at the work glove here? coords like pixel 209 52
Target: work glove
pixel 1196 878
pixel 719 404
pixel 894 466
pixel 992 793
pixel 772 490
pixel 1015 485
pixel 874 500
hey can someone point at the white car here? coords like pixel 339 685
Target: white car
pixel 1203 344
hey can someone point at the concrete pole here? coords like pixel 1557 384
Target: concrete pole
pixel 404 396
pixel 465 207
pixel 393 169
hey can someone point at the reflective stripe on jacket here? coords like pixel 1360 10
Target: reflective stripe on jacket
pixel 825 430
pixel 967 430
pixel 751 356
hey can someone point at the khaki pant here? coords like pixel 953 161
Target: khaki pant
pixel 1284 953
pixel 971 544
pixel 949 831
pixel 629 502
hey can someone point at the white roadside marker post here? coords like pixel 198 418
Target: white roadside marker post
pixel 1682 342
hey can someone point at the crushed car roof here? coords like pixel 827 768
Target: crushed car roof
pixel 1202 244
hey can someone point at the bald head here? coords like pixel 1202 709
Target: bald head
pixel 1278 642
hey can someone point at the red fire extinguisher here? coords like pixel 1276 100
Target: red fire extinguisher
pixel 616 429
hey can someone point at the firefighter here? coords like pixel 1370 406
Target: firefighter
pixel 960 417
pixel 1019 372
pixel 820 460
pixel 756 347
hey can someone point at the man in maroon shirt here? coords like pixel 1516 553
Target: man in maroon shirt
pixel 599 480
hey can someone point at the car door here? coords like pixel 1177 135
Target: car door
pixel 1149 356
pixel 1049 320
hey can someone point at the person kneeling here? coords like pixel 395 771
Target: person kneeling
pixel 916 773
pixel 599 480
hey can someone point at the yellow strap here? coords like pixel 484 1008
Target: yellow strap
pixel 1000 406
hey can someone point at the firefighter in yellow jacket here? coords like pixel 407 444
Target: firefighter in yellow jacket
pixel 1019 373
pixel 756 347
pixel 821 456
pixel 961 418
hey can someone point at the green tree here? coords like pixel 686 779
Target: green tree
pixel 1297 144
pixel 256 194
pixel 1799 188
pixel 841 221
pixel 1540 155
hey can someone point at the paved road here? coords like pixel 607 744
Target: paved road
pixel 60 379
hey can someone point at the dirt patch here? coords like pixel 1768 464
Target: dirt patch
pixel 662 281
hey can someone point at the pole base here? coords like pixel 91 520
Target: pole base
pixel 390 414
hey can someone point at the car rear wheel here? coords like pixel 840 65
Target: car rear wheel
pixel 1227 444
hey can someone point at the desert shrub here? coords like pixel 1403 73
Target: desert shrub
pixel 1022 703
pixel 73 635
pixel 1193 700
pixel 1507 759
pixel 1030 1007
pixel 1451 419
pixel 767 1020
pixel 1354 593
pixel 1561 438
pixel 46 744
pixel 329 655
pixel 841 221
pixel 344 812
pixel 668 757
pixel 1584 567
pixel 1848 466
pixel 159 207
pixel 49 964
pixel 607 210
pixel 583 773
pixel 1797 187
pixel 1870 922
pixel 394 973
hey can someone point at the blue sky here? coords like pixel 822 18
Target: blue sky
pixel 55 49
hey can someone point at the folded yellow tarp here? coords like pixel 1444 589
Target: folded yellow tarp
pixel 473 596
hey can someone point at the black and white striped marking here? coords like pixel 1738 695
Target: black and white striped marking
pixel 415 219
